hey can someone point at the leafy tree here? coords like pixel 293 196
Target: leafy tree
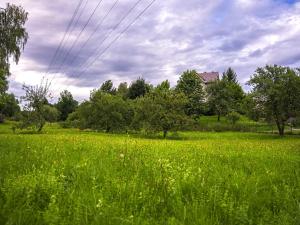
pixel 13 37
pixel 161 110
pixel 233 117
pixel 191 85
pixel 108 87
pixel 164 86
pixel 50 113
pixel 138 88
pixel 230 75
pixel 123 90
pixel 226 95
pixel 219 98
pixel 236 96
pixel 66 104
pixel 276 91
pixel 235 91
pixel 9 106
pixel 105 112
pixel 251 109
pixel 35 99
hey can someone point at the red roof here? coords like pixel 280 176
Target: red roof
pixel 209 77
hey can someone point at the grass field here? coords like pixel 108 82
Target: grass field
pixel 72 177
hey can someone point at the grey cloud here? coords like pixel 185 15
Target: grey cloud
pixel 171 37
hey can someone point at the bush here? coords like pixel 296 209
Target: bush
pixel 233 117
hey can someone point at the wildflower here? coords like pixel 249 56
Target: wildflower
pixel 99 204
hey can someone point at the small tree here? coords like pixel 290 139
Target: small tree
pixel 191 85
pixel 230 76
pixel 108 87
pixel 66 104
pixel 105 112
pixel 161 110
pixel 233 117
pixel 35 99
pixel 276 91
pixel 9 106
pixel 218 98
pixel 138 88
pixel 50 113
pixel 123 90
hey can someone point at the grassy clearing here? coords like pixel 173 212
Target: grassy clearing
pixel 210 123
pixel 72 177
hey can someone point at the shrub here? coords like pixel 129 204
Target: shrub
pixel 233 117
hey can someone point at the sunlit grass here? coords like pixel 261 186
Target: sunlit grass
pixel 73 177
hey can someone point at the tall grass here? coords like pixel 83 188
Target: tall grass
pixel 72 177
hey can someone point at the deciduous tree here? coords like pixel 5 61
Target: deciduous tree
pixel 66 104
pixel 13 37
pixel 161 110
pixel 276 89
pixel 138 88
pixel 35 99
pixel 191 85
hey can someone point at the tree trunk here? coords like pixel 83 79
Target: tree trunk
pixel 219 117
pixel 165 133
pixel 280 127
pixel 107 129
pixel 40 127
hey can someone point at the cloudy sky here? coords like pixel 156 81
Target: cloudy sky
pixel 169 38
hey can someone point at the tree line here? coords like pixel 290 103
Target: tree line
pixel 141 105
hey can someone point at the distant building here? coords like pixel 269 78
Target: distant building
pixel 209 77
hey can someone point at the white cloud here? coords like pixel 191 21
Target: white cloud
pixel 171 37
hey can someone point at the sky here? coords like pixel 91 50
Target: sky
pixel 170 37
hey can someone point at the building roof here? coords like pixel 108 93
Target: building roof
pixel 208 77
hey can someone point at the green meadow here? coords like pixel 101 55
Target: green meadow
pixel 67 176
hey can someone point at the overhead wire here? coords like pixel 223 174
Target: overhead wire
pixel 116 38
pixel 79 35
pixel 64 36
pixel 69 34
pixel 111 31
pixel 77 54
pixel 100 54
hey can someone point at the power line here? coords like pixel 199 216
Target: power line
pixel 65 34
pixel 69 34
pixel 93 33
pixel 81 32
pixel 75 24
pixel 117 38
pixel 111 31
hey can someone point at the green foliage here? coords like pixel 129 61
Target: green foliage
pixel 276 92
pixel 9 106
pixel 161 110
pixel 34 114
pixel 218 98
pixel 50 113
pixel 13 37
pixel 192 86
pixel 230 76
pixel 226 95
pixel 123 90
pixel 108 87
pixel 138 88
pixel 66 104
pixel 233 117
pixel 71 177
pixel 164 86
pixel 105 112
